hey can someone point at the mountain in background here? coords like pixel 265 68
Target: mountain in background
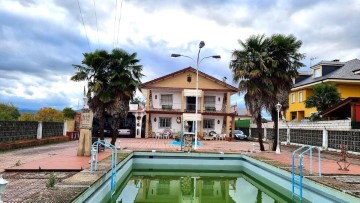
pixel 32 111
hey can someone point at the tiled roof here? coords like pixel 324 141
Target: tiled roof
pixel 345 72
pixel 192 70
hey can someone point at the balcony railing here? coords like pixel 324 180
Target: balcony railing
pixel 190 108
pixel 216 108
pixel 167 107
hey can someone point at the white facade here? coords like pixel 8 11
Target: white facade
pixel 176 98
pixel 155 122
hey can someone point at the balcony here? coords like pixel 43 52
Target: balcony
pixel 174 107
pixel 214 108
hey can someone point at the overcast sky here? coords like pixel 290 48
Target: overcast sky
pixel 41 39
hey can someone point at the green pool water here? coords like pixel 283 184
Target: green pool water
pixel 190 187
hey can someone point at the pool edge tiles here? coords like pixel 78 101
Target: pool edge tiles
pixel 223 163
pixel 93 194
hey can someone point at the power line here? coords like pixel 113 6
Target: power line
pixel 115 24
pixel 97 28
pixel 82 19
pixel 117 38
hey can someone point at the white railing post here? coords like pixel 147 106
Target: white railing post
pixel 65 128
pixel 39 131
pixel 288 135
pixel 325 139
pixel 265 133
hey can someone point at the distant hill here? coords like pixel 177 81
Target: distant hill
pixel 32 111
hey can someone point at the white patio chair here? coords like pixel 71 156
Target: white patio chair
pixel 166 135
pixel 220 136
pixel 158 135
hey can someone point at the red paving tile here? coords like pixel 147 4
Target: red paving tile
pixel 62 156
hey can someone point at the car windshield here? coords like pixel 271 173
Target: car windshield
pixel 238 132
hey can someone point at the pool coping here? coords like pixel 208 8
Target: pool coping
pixel 308 184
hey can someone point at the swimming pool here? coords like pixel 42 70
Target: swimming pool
pixel 224 172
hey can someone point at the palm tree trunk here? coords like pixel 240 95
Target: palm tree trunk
pixel 115 132
pixel 260 133
pixel 101 127
pixel 275 119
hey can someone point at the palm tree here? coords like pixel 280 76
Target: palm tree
pixel 112 81
pixel 324 96
pixel 265 68
pixel 94 71
pixel 124 79
pixel 286 60
pixel 250 67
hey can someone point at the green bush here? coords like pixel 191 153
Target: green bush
pixel 51 181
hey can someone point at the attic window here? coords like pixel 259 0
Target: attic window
pixel 317 73
pixel 189 78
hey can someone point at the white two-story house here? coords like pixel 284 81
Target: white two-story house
pixel 170 97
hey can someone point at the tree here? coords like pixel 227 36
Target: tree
pixel 286 60
pixel 249 69
pixel 137 100
pixel 265 68
pixel 8 112
pixel 48 114
pixel 94 70
pixel 112 81
pixel 26 117
pixel 324 96
pixel 125 78
pixel 69 113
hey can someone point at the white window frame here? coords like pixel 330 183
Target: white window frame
pixel 292 97
pixel 164 122
pixel 209 123
pixel 300 96
pixel 166 101
pixel 317 72
pixel 209 103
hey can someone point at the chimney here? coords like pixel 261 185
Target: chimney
pixel 336 60
pixel 224 79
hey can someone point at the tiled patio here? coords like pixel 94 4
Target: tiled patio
pixel 62 156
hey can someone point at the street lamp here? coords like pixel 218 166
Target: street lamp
pixel 201 45
pixel 278 108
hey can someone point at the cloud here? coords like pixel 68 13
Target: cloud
pixel 40 40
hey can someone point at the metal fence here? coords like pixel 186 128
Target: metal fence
pixel 351 140
pixel 11 131
pixel 17 130
pixel 52 129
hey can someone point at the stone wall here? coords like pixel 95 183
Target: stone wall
pixel 11 131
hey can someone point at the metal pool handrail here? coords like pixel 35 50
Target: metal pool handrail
pixel 95 157
pixel 299 179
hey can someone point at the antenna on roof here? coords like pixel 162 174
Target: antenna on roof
pixel 311 59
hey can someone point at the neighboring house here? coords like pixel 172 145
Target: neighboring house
pixel 170 97
pixel 348 108
pixel 342 74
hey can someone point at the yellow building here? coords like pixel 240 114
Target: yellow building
pixel 342 74
pixel 170 97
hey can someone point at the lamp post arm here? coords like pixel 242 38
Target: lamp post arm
pixel 205 58
pixel 188 57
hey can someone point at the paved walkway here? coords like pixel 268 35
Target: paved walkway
pixel 62 156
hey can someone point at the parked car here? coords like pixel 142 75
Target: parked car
pixel 240 135
pixel 124 131
pixel 107 131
